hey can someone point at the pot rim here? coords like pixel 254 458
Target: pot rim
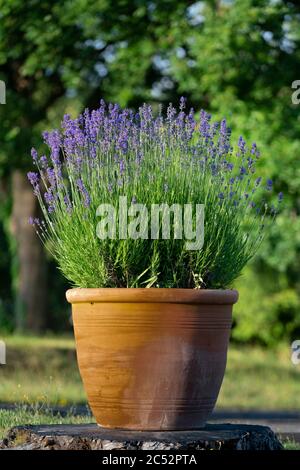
pixel 152 295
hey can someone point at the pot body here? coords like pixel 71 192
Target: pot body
pixel 152 359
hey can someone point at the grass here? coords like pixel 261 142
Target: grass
pixel 44 370
pixel 291 445
pixel 35 415
pixel 259 378
pixel 40 370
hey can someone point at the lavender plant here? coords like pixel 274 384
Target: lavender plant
pixel 171 158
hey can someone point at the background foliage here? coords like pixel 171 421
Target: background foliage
pixel 236 58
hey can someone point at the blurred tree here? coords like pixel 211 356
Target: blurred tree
pixel 49 52
pixel 241 64
pixel 237 58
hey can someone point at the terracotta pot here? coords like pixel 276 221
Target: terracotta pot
pixel 152 359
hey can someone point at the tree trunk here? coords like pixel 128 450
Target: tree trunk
pixel 30 288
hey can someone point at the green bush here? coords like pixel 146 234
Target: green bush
pixel 268 310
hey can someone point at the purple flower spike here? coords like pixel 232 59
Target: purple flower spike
pixel 53 140
pixel 280 197
pixel 269 185
pixel 242 145
pixel 34 180
pixel 254 150
pixel 51 176
pixel 34 154
pixel 204 124
pixel 68 204
pixel 35 221
pixel 49 197
pixel 182 104
pixel 44 161
pixel 122 167
pixel 84 192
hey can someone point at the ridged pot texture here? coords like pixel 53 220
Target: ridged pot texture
pixel 152 359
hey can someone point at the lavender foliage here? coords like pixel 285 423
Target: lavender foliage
pixel 172 158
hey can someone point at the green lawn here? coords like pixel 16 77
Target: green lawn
pixel 40 370
pixel 35 415
pixel 258 378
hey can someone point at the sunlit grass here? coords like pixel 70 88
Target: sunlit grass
pixel 291 445
pixel 259 378
pixel 34 416
pixel 41 369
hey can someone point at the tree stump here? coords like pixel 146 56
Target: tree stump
pixel 92 437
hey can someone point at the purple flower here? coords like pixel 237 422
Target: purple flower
pixel 182 103
pixel 34 154
pixel 44 161
pixel 53 140
pixel 84 192
pixel 254 150
pixel 250 162
pixel 204 123
pixel 68 203
pixel 242 145
pixel 280 197
pixel 122 143
pixel 258 181
pixel 139 158
pixel 171 112
pixel 51 176
pixel 224 138
pixel 214 169
pixel 269 185
pixel 35 221
pixel 49 197
pixel 34 180
pixel 122 167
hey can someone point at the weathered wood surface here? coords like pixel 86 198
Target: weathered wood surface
pixel 92 437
